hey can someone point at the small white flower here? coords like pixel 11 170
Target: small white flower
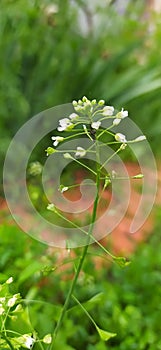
pixel 73 116
pixel 57 139
pixel 116 121
pixel 12 301
pixel 51 207
pixel 10 280
pixel 28 341
pixel 78 108
pixel 47 339
pixel 64 124
pixel 108 111
pixel 120 138
pixel 96 125
pixel 63 188
pixel 123 114
pixel 140 138
pixel 123 146
pixel 81 152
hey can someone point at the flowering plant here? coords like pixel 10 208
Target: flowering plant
pixel 12 309
pixel 95 122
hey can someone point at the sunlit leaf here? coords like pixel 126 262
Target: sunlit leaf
pixel 104 335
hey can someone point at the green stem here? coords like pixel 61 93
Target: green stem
pixel 8 341
pixel 82 258
pixel 85 311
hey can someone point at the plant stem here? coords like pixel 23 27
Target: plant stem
pixel 85 249
pixel 8 341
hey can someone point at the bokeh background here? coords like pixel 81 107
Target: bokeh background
pixel 52 52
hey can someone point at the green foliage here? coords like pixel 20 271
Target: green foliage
pixel 125 301
pixel 46 60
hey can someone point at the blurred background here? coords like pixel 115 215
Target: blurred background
pixel 52 52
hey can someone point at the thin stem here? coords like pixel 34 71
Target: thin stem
pixel 82 258
pixel 108 159
pixel 83 165
pixel 85 311
pixel 8 341
pixel 86 233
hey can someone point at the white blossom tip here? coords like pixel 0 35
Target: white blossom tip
pixel 120 138
pixel 81 152
pixel 96 125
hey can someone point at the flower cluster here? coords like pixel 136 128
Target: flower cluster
pixel 11 308
pixel 89 115
pixel 87 119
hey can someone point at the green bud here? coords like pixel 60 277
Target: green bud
pixel 84 99
pixel 67 156
pixel 74 103
pixel 101 102
pixel 139 176
pixel 50 150
pixel 51 207
pixel 121 261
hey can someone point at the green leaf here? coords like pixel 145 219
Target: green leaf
pixel 96 298
pixel 29 271
pixel 104 335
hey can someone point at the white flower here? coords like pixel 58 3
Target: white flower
pixel 73 116
pixel 10 280
pixel 57 139
pixel 51 207
pixel 96 125
pixel 116 121
pixel 28 341
pixel 123 114
pixel 120 138
pixel 108 110
pixel 12 301
pixel 64 124
pixel 63 188
pixel 80 152
pixel 47 339
pixel 140 138
pixel 123 146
